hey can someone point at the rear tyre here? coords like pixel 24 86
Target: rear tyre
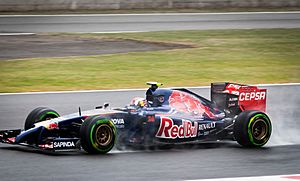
pixel 39 114
pixel 97 135
pixel 252 129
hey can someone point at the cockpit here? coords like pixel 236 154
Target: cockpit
pixel 181 102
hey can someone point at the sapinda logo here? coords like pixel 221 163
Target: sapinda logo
pixel 167 129
pixel 249 96
pixel 64 144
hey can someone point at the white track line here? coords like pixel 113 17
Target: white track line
pixel 153 14
pixel 284 84
pixel 14 34
pixel 109 32
pixel 129 90
pixel 97 32
pixel 259 178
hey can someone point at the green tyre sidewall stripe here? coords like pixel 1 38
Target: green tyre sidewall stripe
pixel 112 126
pixel 269 129
pixel 39 114
pixel 46 114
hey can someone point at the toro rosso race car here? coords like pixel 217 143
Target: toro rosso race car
pixel 174 116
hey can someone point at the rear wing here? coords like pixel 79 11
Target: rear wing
pixel 235 98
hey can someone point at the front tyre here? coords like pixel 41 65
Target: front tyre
pixel 39 114
pixel 97 135
pixel 252 129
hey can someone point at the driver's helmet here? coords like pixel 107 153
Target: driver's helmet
pixel 139 102
pixel 158 100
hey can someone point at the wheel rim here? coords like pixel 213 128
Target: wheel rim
pixel 259 129
pixel 103 135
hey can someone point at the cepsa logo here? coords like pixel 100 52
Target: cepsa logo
pixel 249 96
pixel 167 129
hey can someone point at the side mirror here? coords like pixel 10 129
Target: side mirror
pixel 98 107
pixel 105 105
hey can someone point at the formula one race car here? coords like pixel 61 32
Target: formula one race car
pixel 175 116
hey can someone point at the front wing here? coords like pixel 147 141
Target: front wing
pixel 50 144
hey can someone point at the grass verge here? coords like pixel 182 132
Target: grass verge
pixel 244 56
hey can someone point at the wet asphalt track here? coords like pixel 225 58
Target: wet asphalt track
pixel 147 22
pixel 213 160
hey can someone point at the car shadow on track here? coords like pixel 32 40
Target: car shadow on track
pixel 178 147
pixel 130 150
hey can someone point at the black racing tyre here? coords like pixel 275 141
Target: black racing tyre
pixel 252 129
pixel 39 114
pixel 97 135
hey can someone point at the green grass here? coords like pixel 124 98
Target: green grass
pixel 244 56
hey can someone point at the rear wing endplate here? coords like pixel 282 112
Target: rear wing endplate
pixel 238 97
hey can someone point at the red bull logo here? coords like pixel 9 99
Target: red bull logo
pixel 168 129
